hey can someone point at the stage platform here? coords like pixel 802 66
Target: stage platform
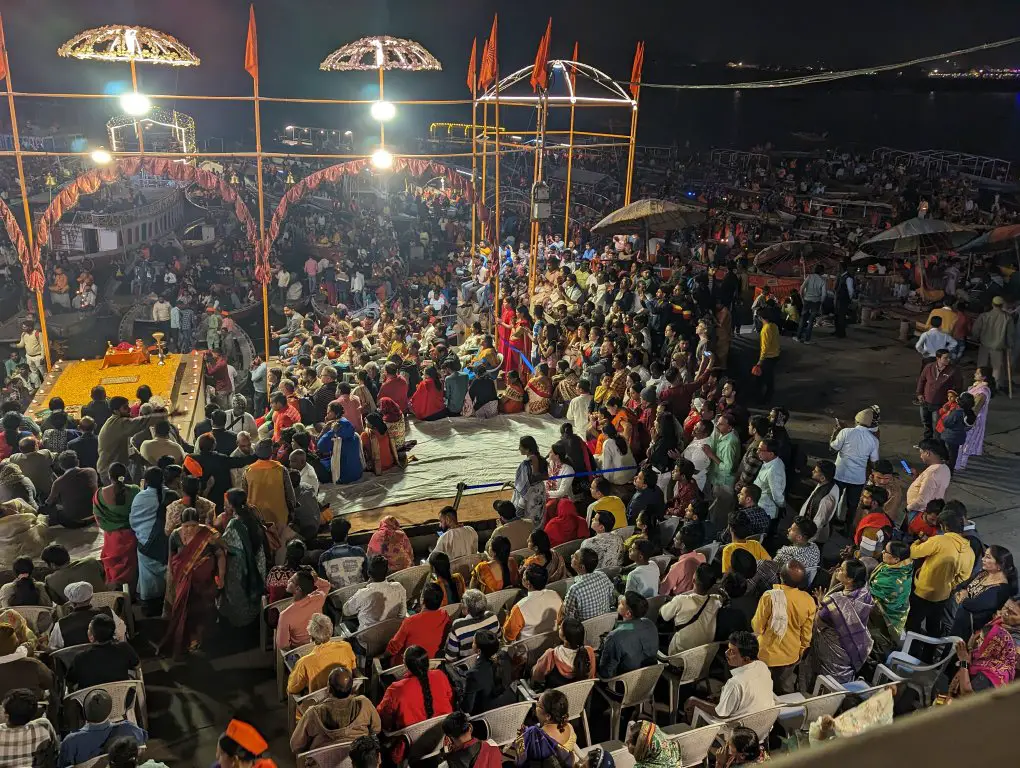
pixel 177 383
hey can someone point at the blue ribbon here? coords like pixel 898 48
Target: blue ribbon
pixel 556 477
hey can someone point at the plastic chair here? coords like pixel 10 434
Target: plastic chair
pixel 667 530
pixel 373 639
pixel 695 744
pixel 333 756
pixel 759 722
pixel 503 724
pixel 567 549
pixel 283 669
pixel 560 587
pixel 38 617
pixel 655 605
pixel 268 618
pixel 638 688
pixel 425 739
pixel 533 647
pixel 663 562
pixel 622 757
pixel 687 668
pixel 624 533
pixel 465 565
pixel 577 694
pixel 902 667
pixel 127 696
pixel 710 551
pixel 118 602
pixel 597 627
pixel 454 610
pixel 612 573
pixel 101 761
pixel 413 580
pixel 501 601
pixel 805 712
pixel 339 596
pixel 759 537
pixel 522 554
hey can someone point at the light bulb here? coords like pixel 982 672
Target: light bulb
pixel 383 111
pixel 382 159
pixel 135 104
pixel 101 157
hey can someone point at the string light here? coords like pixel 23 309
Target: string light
pixel 122 43
pixel 371 53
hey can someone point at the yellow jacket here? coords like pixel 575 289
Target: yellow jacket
pixel 751 545
pixel 948 561
pixel 769 341
pixel 800 611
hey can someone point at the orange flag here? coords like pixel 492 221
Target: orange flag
pixel 539 75
pixel 251 48
pixel 473 66
pixel 3 51
pixel 573 70
pixel 490 58
pixel 635 72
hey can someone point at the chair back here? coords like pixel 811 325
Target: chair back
pixel 759 537
pixel 397 672
pixel 560 587
pixel 465 564
pixel 612 573
pixel 663 562
pixel 61 658
pixel 655 605
pixel 667 530
pixel 413 580
pixel 454 610
pixel 338 597
pixel 694 663
pixel 577 694
pixel 504 723
pixel 331 756
pixel 695 744
pixel 709 551
pixel 38 617
pixel 271 613
pixel 639 684
pixel 624 533
pixel 759 722
pixel 374 639
pixel 127 696
pixel 595 628
pixel 100 761
pixel 502 600
pixel 820 706
pixel 567 549
pixel 521 554
pixel 533 647
pixel 425 739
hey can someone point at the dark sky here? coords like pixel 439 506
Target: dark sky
pixel 295 35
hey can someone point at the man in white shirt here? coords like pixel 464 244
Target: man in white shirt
pixel 749 688
pixel 695 452
pixel 577 410
pixel 379 599
pixel 820 505
pixel 455 540
pixel 931 341
pixel 536 613
pixel 771 479
pixel 855 447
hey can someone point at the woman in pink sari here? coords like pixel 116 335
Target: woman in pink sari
pixel 505 327
pixel 981 389
pixel 198 569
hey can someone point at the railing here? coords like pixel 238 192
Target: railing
pixel 119 219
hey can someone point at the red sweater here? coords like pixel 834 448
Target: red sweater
pixel 404 704
pixel 396 389
pixel 427 400
pixel 427 629
pixel 566 526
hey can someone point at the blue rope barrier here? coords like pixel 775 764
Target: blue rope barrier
pixel 527 362
pixel 556 477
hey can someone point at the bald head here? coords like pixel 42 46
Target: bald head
pixel 341 682
pixel 793 574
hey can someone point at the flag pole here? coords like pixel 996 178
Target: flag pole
pixel 570 148
pixel 258 165
pixel 474 155
pixel 636 92
pixel 485 160
pixel 496 238
pixel 29 236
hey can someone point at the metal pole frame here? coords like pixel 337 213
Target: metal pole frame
pixel 262 215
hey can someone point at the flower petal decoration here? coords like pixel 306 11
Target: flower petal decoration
pixel 372 53
pixel 117 42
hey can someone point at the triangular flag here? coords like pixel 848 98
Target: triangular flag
pixel 539 75
pixel 573 70
pixel 473 66
pixel 635 72
pixel 3 51
pixel 490 58
pixel 251 48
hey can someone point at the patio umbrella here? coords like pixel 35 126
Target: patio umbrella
pixel 916 236
pixel 998 239
pixel 785 259
pixel 646 216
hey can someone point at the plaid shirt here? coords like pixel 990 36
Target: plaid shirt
pixel 758 518
pixel 591 595
pixel 21 746
pixel 749 465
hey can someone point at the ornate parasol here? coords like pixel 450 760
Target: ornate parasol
pixel 120 43
pixel 798 257
pixel 999 239
pixel 372 53
pixel 916 236
pixel 649 216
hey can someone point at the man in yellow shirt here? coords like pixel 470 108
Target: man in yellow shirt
pixel 601 491
pixel 312 670
pixel 768 357
pixel 948 561
pixel 740 529
pixel 783 624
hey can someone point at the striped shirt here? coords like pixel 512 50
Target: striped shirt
pixel 463 631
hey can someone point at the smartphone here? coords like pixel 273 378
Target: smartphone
pixel 906 467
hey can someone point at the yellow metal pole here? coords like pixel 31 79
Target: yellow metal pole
pixel 570 168
pixel 474 170
pixel 29 237
pixel 138 124
pixel 382 124
pixel 497 237
pixel 630 158
pixel 485 161
pixel 262 215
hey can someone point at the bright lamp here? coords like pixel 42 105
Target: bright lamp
pixel 382 159
pixel 383 111
pixel 101 157
pixel 135 104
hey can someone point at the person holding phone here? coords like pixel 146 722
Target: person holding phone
pixel 855 446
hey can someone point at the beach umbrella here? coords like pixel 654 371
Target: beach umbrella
pixel 998 239
pixel 644 216
pixel 916 236
pixel 797 257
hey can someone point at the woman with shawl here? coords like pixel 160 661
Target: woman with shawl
pixel 840 643
pixel 392 543
pixel 339 447
pixel 245 540
pixel 529 481
pixel 650 746
pixel 981 390
pixel 540 391
pixel 889 586
pixel 394 419
pixel 552 742
pixel 987 661
pixel 378 447
pixel 198 569
pixel 111 506
pixel 148 518
pixel 511 399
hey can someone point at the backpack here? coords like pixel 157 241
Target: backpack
pixel 309 413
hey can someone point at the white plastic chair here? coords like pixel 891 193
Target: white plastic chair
pixel 412 579
pixel 577 693
pixel 501 601
pixel 597 627
pixel 662 561
pixel 425 739
pixel 687 668
pixel 283 669
pixel 655 605
pixel 503 724
pixel 637 688
pixel 560 587
pixel 533 647
pixel 759 722
pixel 465 565
pixel 567 549
pixel 695 744
pixel 128 700
pixel 38 617
pixel 903 667
pixel 800 715
pixel 332 756
pixel 266 627
pixel 624 533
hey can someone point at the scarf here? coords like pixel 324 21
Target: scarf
pixel 390 410
pixel 848 613
pixel 890 588
pixel 780 621
pixel 653 750
pixel 995 655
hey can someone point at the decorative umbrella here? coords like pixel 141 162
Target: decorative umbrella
pixel 916 236
pixel 998 239
pixel 649 216
pixel 785 259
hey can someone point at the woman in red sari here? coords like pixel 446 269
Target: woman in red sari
pixel 520 342
pixel 198 568
pixel 506 325
pixel 111 506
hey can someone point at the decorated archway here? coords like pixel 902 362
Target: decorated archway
pixel 414 166
pixel 90 182
pixel 20 246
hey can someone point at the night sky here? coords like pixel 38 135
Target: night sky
pixel 295 35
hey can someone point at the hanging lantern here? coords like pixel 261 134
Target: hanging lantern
pixel 290 178
pixel 233 179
